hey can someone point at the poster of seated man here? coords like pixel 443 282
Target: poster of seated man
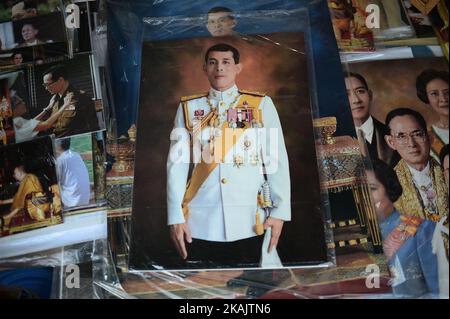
pixel 29 195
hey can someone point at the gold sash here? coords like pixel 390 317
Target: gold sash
pixel 410 204
pixel 223 144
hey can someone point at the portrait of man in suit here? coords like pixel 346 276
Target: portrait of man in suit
pixel 360 98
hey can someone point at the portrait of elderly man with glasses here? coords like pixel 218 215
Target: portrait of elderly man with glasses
pixel 425 192
pixel 80 115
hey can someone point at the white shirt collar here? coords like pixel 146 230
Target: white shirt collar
pixel 367 129
pixel 421 177
pixel 226 96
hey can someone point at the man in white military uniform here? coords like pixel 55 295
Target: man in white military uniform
pixel 222 205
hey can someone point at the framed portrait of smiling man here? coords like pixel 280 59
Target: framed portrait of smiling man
pixel 226 169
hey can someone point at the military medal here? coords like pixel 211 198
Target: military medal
pixel 238 161
pixel 199 114
pixel 247 143
pixel 232 117
pixel 249 115
pixel 254 159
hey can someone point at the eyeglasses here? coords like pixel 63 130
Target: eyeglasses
pixel 418 136
pixel 47 85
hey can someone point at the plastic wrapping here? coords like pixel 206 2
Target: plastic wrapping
pixel 355 263
pixel 84 224
pixel 385 89
pixel 282 50
pixel 32 35
pixel 52 32
pixel 389 106
pixel 125 49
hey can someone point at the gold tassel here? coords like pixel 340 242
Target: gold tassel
pixel 260 200
pixel 259 228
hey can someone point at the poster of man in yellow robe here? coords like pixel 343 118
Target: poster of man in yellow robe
pixel 29 197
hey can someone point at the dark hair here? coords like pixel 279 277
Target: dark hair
pixel 29 23
pixel 358 76
pixel 426 77
pixel 443 153
pixel 223 47
pixel 22 167
pixel 388 178
pixel 30 4
pixel 64 143
pixel 57 71
pixel 221 9
pixel 405 111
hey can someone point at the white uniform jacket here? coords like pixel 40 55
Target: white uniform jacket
pixel 224 208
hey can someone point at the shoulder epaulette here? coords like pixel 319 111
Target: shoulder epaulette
pixel 252 93
pixel 193 97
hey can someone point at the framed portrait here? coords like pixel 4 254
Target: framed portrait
pixel 41 24
pixel 349 25
pixel 11 10
pixel 80 171
pixel 15 58
pixel 30 196
pixel 281 71
pixel 400 90
pixel 404 104
pixel 151 245
pixel 39 30
pixel 78 111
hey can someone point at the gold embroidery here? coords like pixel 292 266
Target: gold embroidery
pixel 252 93
pixel 410 204
pixel 193 97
